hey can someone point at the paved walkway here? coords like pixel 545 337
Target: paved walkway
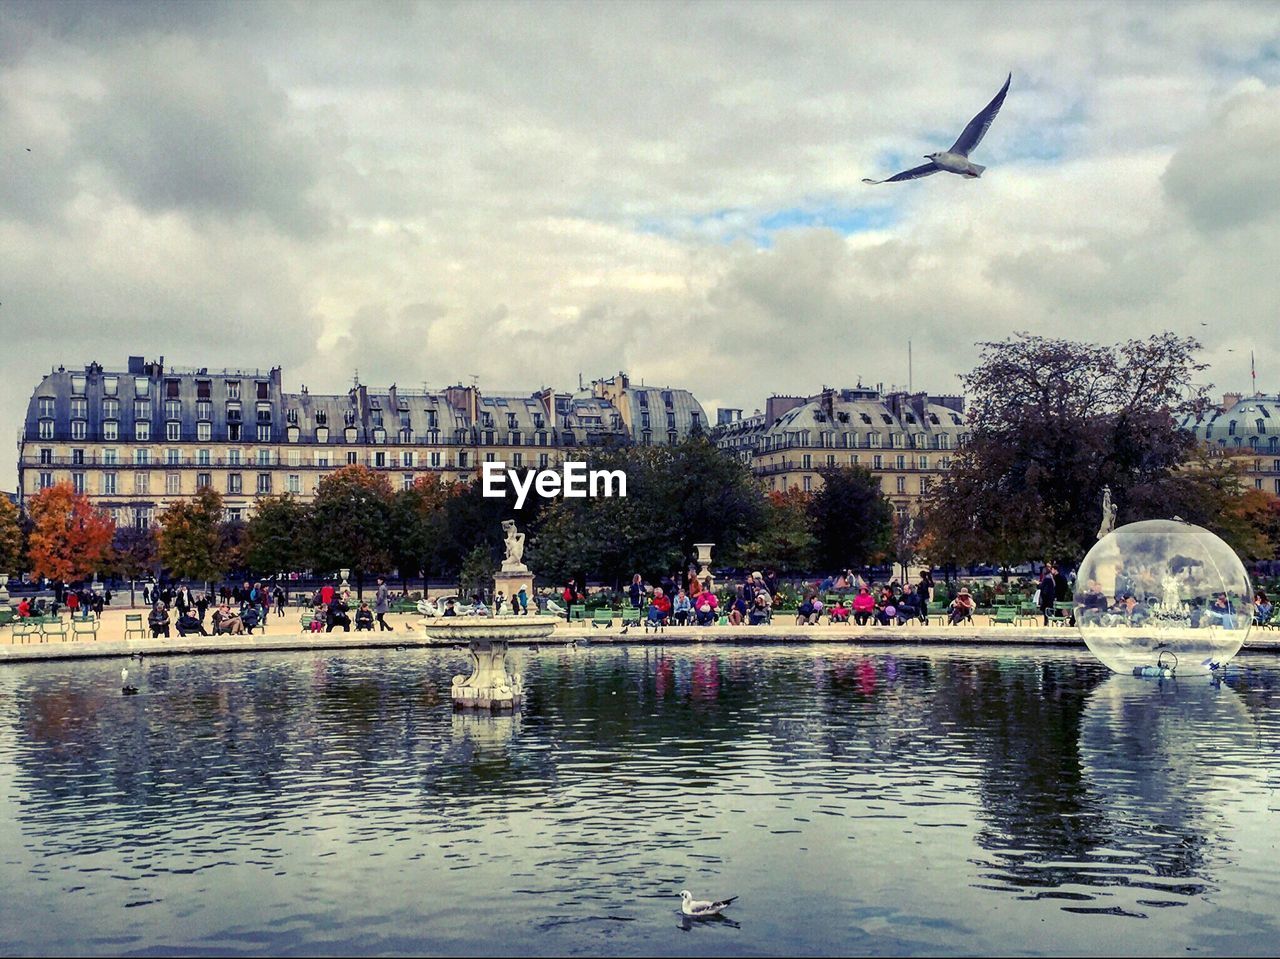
pixel 284 633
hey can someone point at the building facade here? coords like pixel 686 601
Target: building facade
pixel 906 439
pixel 1246 428
pixel 134 440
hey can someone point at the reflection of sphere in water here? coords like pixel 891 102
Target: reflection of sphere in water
pixel 1167 751
pixel 1162 592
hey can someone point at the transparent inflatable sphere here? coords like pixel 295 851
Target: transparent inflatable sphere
pixel 1162 594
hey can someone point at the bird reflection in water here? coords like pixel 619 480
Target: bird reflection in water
pixel 690 922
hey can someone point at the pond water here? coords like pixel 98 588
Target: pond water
pixel 878 801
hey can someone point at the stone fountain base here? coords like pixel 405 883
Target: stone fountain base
pixel 490 686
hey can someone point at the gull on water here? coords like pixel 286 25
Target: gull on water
pixel 956 160
pixel 702 908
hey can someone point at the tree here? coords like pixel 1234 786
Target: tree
pixel 69 538
pixel 419 517
pixel 10 537
pixel 852 518
pixel 351 523
pixel 786 540
pixel 1051 422
pixel 676 496
pixel 276 535
pixel 190 538
pixel 475 578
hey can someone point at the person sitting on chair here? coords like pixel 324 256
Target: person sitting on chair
pixel 364 618
pixel 682 608
pixel 659 609
pixel 188 624
pixel 226 623
pixel 839 612
pixel 909 606
pixel 338 614
pixel 159 621
pixel 962 608
pixel 1262 610
pixel 864 606
pixel 705 615
pixel 760 612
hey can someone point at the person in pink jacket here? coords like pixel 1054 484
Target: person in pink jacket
pixel 864 606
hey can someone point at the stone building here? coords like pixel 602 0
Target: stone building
pixel 1246 428
pixel 136 439
pixel 906 439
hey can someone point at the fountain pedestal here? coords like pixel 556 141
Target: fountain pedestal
pixel 490 686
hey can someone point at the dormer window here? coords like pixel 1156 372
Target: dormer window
pixel 321 418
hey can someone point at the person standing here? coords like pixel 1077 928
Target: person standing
pixel 636 590
pixel 382 604
pixel 1048 592
pixel 279 598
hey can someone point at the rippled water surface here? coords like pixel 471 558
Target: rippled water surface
pixel 877 801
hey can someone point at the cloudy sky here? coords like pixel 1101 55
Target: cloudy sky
pixel 529 191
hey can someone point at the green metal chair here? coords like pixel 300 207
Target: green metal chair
pixel 133 624
pixel 1004 615
pixel 630 616
pixel 1028 611
pixel 84 627
pixel 602 617
pixel 577 611
pixel 54 626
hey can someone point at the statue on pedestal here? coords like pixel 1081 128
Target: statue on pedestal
pixel 513 562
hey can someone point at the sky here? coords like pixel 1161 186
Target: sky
pixel 527 192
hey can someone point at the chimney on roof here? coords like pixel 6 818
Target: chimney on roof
pixel 1230 399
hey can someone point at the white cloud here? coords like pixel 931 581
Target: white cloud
pixel 530 191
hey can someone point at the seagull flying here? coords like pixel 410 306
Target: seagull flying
pixel 702 908
pixel 956 160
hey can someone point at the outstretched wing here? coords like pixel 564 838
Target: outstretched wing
pixel 979 125
pixel 927 169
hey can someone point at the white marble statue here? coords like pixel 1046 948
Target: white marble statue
pixel 514 542
pixel 1108 513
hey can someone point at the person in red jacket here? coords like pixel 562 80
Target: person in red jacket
pixel 659 608
pixel 864 606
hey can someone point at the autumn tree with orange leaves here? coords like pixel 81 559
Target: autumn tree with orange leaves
pixel 70 539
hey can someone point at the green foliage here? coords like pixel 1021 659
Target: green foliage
pixel 135 551
pixel 1051 423
pixel 351 522
pixel 191 545
pixel 852 519
pixel 676 496
pixel 11 538
pixel 276 535
pixel 476 574
pixel 786 540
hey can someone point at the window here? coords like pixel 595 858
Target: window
pixel 806 461
pixel 110 409
pixel 233 389
pixel 204 389
pixel 233 412
pixel 517 460
pixel 46 429
pixel 435 458
pixel 380 459
pixel 351 458
pixel 295 458
pixel 142 409
pixel 877 462
pixel 322 434
pixel 142 482
pixel 172 388
pixel 233 432
pixel 234 514
pixel 141 457
pixel 1257 483
pixel 462 459
pixel 77 482
pixel 264 457
pixel 173 431
pixel 264 482
pixel 111 385
pixel 79 429
pixel 234 483
pixel 233 457
pixel 543 460
pixel 46 456
pixel 204 410
pixel 264 412
pixel 142 431
pixel 172 457
pixel 321 418
pixel 488 457
pixel 831 459
pixel 433 419
pixel 291 416
pixel 204 480
pixel 924 462
pixel 406 458
pixel 172 409
pixel 379 435
pixel 141 386
pixel 513 439
pixel 808 484
pixel 45 404
pixel 79 407
pixel 204 432
pixel 264 390
pixel 110 457
pixel 77 457
pixel 46 480
pixel 264 434
pixel 406 480
pixel 902 484
pixel 322 459
pixel 172 483
pixel 295 483
pixel 109 484
pixel 901 462
pixel 202 457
